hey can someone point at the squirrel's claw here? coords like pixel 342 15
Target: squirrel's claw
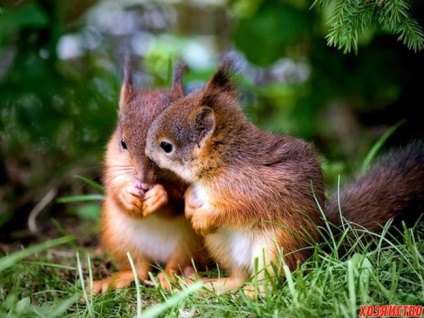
pixel 131 198
pixel 155 198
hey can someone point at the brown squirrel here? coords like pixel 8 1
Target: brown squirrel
pixel 254 194
pixel 143 212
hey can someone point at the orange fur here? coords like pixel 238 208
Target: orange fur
pixel 143 213
pixel 252 193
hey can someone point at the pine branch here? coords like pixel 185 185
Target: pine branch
pixel 345 25
pixel 349 19
pixel 400 22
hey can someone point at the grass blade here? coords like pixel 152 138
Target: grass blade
pixel 90 182
pixel 137 284
pixel 377 146
pixel 10 260
pixel 79 198
pixel 170 302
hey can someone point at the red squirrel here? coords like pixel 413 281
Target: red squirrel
pixel 252 194
pixel 256 195
pixel 143 212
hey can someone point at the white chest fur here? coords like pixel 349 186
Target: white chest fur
pixel 239 247
pixel 200 195
pixel 236 244
pixel 156 237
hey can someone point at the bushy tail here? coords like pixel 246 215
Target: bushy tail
pixel 393 188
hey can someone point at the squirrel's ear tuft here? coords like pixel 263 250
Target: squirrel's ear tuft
pixel 127 85
pixel 204 124
pixel 222 81
pixel 177 83
pixel 223 78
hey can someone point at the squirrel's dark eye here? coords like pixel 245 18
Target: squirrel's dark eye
pixel 123 144
pixel 166 146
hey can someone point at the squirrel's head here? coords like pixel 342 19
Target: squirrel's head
pixel 189 137
pixel 138 108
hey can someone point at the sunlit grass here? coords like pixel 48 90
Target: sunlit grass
pixel 387 270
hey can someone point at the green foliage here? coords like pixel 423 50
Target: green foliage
pixel 378 145
pixel 30 16
pixel 171 302
pixel 350 20
pixel 273 28
pixel 55 115
pixel 13 307
pixel 11 260
pixel 386 270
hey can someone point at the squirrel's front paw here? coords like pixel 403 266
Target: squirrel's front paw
pixel 197 212
pixel 192 204
pixel 200 223
pixel 190 210
pixel 155 198
pixel 131 197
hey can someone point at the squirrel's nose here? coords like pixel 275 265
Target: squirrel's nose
pixel 143 187
pixel 138 185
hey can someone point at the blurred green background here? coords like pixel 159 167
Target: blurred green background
pixel 60 74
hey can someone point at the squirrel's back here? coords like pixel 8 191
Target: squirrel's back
pixel 393 188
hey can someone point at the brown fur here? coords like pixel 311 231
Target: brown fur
pixel 250 189
pixel 143 212
pixel 247 186
pixel 393 188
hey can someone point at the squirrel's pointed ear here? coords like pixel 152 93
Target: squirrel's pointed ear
pixel 127 85
pixel 204 125
pixel 222 81
pixel 177 83
pixel 223 78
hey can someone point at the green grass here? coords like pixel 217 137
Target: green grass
pixel 390 270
